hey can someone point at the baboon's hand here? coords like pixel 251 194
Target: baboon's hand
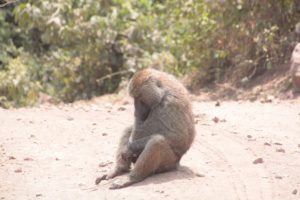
pixel 113 173
pixel 121 183
pixel 128 155
pixel 99 179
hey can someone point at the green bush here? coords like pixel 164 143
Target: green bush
pixel 77 49
pixel 19 83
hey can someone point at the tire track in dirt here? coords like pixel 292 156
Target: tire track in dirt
pixel 208 151
pixel 266 174
pixel 275 163
pixel 246 179
pixel 255 130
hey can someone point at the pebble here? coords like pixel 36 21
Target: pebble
pixel 19 170
pixel 199 175
pixel 216 119
pixel 281 150
pixel 11 158
pixel 267 144
pixel 121 108
pixel 70 118
pixel 258 161
pixel 28 159
pixel 295 191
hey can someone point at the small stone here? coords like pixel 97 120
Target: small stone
pixel 249 136
pixel 281 150
pixel 11 158
pixel 70 118
pixel 199 175
pixel 277 143
pixel 81 184
pixel 295 191
pixel 28 159
pixel 217 103
pixel 38 195
pixel 104 134
pixel 216 119
pixel 258 161
pixel 267 99
pixel 108 106
pixel 270 99
pixel 95 108
pixel 278 177
pixel 19 170
pixel 267 144
pixel 121 108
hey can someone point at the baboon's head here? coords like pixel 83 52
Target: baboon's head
pixel 145 86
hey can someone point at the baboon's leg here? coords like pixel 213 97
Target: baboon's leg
pixel 156 157
pixel 121 165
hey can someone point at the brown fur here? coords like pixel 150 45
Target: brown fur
pixel 162 132
pixel 295 68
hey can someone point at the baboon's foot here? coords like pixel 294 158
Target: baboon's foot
pixel 123 182
pixel 115 172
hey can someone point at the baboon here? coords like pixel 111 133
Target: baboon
pixel 295 68
pixel 162 132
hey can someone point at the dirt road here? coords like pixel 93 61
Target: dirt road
pixel 57 153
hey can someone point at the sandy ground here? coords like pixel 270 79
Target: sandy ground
pixel 56 152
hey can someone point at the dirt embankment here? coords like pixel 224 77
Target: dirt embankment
pixel 242 151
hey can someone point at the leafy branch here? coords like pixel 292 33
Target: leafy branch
pixel 7 3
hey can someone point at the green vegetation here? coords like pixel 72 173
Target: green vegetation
pixel 77 49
